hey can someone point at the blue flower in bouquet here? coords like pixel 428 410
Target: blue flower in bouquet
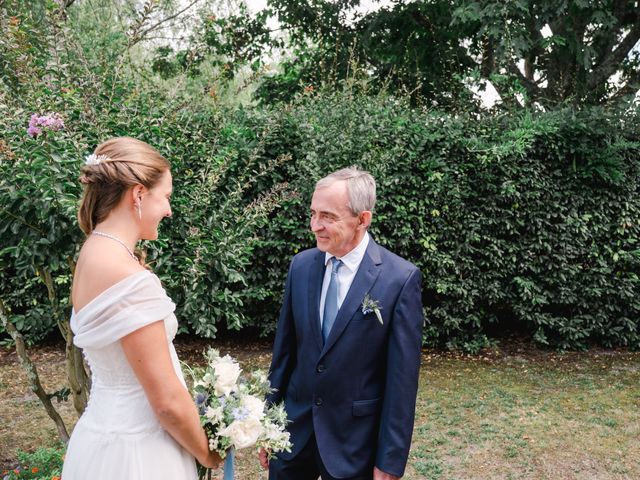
pixel 201 400
pixel 240 413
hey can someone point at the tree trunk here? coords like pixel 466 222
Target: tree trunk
pixel 79 381
pixel 32 373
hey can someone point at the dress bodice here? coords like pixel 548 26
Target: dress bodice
pixel 117 400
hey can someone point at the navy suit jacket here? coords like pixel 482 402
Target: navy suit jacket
pixel 358 391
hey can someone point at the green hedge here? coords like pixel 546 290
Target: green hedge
pixel 526 222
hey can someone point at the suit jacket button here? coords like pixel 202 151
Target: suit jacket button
pixel 319 401
pixel 320 368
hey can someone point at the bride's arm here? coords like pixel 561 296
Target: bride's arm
pixel 148 354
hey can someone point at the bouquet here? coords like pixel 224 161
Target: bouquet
pixel 233 410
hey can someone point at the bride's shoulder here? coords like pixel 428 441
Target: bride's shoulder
pixel 97 272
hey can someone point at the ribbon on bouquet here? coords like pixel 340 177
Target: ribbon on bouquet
pixel 229 465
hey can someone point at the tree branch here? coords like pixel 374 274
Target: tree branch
pixel 488 62
pixel 32 373
pixel 530 86
pixel 23 221
pixel 625 11
pixel 604 43
pixel 605 40
pixel 611 63
pixel 140 36
pixel 630 88
pixel 536 48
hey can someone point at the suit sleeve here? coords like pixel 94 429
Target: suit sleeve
pixel 403 364
pixel 284 347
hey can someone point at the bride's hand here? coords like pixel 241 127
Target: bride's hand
pixel 263 456
pixel 212 460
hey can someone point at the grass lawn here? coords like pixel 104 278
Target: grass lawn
pixel 528 415
pixel 513 413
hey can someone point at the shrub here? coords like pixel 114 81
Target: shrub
pixel 203 252
pixel 528 221
pixel 42 464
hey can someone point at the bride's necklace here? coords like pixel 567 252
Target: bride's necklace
pixel 113 237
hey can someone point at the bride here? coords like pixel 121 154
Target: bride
pixel 140 422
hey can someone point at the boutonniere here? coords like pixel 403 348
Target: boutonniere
pixel 370 305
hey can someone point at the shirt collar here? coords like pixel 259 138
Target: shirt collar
pixel 352 259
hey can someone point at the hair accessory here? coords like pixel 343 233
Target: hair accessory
pixel 94 159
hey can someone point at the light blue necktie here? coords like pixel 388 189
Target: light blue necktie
pixel 331 300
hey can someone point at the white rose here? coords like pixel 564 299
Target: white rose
pixel 227 373
pixel 214 415
pixel 254 405
pixel 243 433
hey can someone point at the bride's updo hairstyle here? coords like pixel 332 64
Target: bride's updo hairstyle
pixel 115 166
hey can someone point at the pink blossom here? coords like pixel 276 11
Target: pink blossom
pixel 34 131
pixel 51 121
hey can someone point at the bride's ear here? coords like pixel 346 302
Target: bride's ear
pixel 137 192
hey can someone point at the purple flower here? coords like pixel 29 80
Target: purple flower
pixel 34 131
pixel 51 121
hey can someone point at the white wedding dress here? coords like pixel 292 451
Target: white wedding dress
pixel 118 435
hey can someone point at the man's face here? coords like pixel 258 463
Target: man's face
pixel 337 230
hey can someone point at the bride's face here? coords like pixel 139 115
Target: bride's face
pixel 155 206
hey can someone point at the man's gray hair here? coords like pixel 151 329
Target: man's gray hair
pixel 361 187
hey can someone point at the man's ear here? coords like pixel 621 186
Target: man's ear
pixel 364 219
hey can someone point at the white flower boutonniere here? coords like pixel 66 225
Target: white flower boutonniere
pixel 370 305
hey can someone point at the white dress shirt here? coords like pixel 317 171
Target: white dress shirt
pixel 346 273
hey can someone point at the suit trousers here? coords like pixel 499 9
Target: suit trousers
pixel 307 465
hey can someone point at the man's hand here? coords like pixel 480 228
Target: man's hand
pixel 380 475
pixel 263 456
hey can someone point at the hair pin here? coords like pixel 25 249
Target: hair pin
pixel 94 159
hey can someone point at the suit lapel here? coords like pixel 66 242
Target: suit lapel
pixel 316 275
pixel 365 278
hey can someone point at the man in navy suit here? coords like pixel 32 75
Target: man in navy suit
pixel 347 349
